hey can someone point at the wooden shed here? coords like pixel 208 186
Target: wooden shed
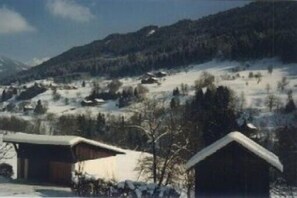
pixel 233 166
pixel 51 159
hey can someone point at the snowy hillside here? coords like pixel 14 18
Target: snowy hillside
pixel 252 79
pixel 236 75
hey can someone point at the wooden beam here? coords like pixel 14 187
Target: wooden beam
pixel 16 148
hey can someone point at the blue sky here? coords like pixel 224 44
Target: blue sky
pixel 34 30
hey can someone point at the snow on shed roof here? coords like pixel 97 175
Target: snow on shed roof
pixel 63 140
pixel 87 101
pixel 243 141
pixel 251 126
pixel 99 100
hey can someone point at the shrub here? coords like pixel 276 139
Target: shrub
pixel 40 109
pixel 6 170
pixel 251 75
pixel 56 95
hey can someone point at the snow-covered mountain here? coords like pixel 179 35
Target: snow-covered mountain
pixel 9 66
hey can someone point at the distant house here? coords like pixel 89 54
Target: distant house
pixel 160 74
pixel 233 166
pixel 28 108
pixel 51 159
pixel 94 102
pixel 149 74
pixel 87 103
pixel 99 101
pixel 70 87
pixel 149 80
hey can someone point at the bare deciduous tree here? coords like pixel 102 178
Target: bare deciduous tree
pixel 165 135
pixel 281 85
pixel 271 101
pixel 5 151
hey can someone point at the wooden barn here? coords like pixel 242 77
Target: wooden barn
pixel 233 166
pixel 51 159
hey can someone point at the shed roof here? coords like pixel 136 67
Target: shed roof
pixel 99 100
pixel 62 140
pixel 251 126
pixel 244 141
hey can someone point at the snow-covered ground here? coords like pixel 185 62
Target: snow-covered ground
pixel 254 90
pixel 11 189
pixel 118 168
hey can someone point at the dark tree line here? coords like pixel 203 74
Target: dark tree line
pixel 211 115
pixel 31 92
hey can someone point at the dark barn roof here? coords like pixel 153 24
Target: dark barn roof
pixel 242 140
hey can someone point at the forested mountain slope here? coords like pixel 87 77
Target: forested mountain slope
pixel 257 30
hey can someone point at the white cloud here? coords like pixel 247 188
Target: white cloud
pixel 69 9
pixel 13 22
pixel 37 61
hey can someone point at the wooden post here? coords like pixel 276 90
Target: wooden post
pixel 26 167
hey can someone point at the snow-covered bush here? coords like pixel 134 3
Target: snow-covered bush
pixel 88 185
pixel 6 170
pixel 142 189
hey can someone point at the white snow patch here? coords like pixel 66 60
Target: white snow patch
pixel 119 167
pixel 151 32
pixel 55 140
pixel 251 126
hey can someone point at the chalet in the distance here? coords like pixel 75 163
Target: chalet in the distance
pixel 51 159
pixel 233 166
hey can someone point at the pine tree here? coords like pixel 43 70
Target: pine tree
pixel 290 106
pixel 174 103
pixel 136 94
pixel 212 114
pixel 3 97
pixel 39 109
pixel 288 154
pixel 176 92
pixel 100 124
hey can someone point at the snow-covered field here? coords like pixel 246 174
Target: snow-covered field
pixel 254 90
pixel 122 167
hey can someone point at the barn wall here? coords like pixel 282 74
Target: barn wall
pixel 38 169
pixel 232 171
pixel 48 152
pixel 45 171
pixel 87 152
pixel 60 173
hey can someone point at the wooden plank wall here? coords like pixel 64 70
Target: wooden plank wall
pixel 60 172
pixel 87 152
